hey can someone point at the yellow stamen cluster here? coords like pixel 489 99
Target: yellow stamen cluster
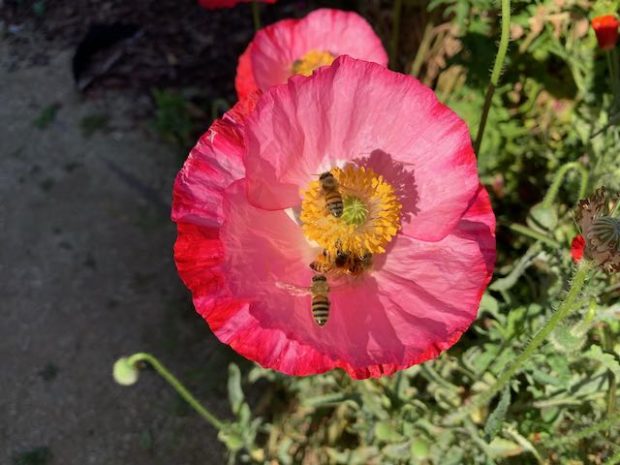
pixel 311 61
pixel 371 216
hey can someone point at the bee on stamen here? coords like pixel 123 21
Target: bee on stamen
pixel 331 191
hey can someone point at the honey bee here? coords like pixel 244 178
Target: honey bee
pixel 331 190
pixel 320 301
pixel 342 262
pixel 356 265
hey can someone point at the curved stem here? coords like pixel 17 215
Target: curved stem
pixel 566 307
pixel 564 310
pixel 586 432
pixel 559 177
pixel 256 14
pixel 524 230
pixel 176 384
pixel 398 6
pixel 495 74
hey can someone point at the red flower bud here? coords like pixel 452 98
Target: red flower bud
pixel 606 29
pixel 576 248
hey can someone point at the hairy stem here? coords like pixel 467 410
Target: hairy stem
pixel 566 307
pixel 559 177
pixel 176 384
pixel 495 74
pixel 586 432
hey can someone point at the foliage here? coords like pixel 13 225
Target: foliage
pixel 553 106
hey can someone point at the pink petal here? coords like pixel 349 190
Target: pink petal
pixel 213 164
pixel 276 47
pixel 416 304
pixel 244 80
pixel 359 111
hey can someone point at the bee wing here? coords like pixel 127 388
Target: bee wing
pixel 293 289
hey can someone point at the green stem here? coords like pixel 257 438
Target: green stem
pixel 396 11
pixel 422 49
pixel 615 460
pixel 495 74
pixel 256 14
pixel 586 432
pixel 524 230
pixel 559 177
pixel 562 312
pixel 176 384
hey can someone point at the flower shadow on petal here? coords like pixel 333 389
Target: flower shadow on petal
pixel 399 177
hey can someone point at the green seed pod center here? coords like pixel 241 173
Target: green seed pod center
pixel 355 211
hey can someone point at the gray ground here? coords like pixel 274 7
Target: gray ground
pixel 86 275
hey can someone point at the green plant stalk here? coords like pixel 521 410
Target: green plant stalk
pixel 176 384
pixel 524 230
pixel 396 12
pixel 559 177
pixel 586 432
pixel 422 49
pixel 495 74
pixel 566 307
pixel 256 15
pixel 614 72
pixel 615 460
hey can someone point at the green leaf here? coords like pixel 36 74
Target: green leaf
pixel 397 451
pixel 386 432
pixel 235 394
pixel 606 359
pixel 564 340
pixel 501 448
pixel 419 449
pixel 496 418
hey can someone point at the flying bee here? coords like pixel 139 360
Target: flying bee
pixel 320 301
pixel 331 191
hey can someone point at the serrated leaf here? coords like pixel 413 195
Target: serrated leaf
pixel 496 418
pixel 386 432
pixel 235 394
pixel 604 358
pixel 501 448
pixel 397 451
pixel 564 340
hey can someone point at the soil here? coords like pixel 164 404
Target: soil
pixel 86 267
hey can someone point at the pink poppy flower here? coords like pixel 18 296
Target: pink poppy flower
pixel 252 216
pixel 293 46
pixel 213 4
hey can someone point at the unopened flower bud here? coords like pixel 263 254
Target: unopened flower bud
pixel 124 372
pixel 606 30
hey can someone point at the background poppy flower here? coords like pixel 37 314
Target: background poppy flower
pixel 244 254
pixel 212 4
pixel 606 30
pixel 294 46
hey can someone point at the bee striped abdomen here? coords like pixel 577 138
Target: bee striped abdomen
pixel 320 309
pixel 334 203
pixel 333 199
